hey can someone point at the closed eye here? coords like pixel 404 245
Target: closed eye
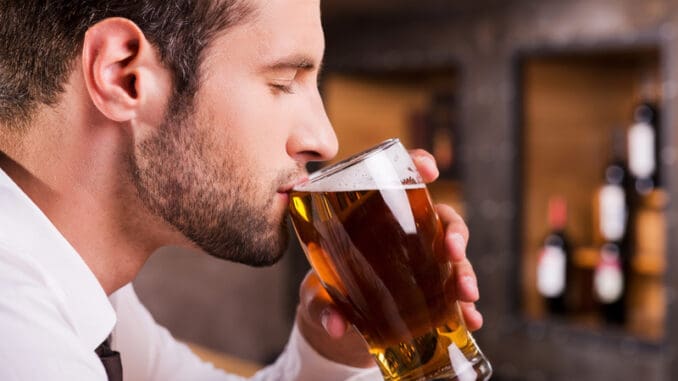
pixel 282 87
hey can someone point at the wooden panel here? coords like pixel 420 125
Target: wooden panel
pixel 366 110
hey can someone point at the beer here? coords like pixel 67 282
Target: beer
pixel 380 255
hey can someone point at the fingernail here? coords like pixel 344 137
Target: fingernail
pixel 422 159
pixel 429 163
pixel 325 319
pixel 470 285
pixel 459 242
pixel 434 166
pixel 428 160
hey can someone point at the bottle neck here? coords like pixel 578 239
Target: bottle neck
pixel 557 214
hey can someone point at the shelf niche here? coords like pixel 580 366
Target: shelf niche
pixel 571 102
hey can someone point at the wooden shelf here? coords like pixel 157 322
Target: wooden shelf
pixel 224 361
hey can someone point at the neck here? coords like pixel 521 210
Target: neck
pixel 76 174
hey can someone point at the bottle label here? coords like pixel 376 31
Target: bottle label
pixel 613 212
pixel 608 280
pixel 641 150
pixel 551 271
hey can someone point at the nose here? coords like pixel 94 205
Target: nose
pixel 313 139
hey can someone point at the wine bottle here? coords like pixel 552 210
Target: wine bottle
pixel 554 266
pixel 611 273
pixel 610 281
pixel 643 148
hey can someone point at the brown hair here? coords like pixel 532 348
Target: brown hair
pixel 40 39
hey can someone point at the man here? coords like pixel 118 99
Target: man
pixel 129 125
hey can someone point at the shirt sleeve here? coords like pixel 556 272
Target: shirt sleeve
pixel 149 352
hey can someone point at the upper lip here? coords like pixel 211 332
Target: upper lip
pixel 289 186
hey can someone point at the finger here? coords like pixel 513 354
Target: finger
pixel 426 164
pixel 473 318
pixel 334 323
pixel 456 238
pixel 462 285
pixel 467 284
pixel 456 232
pixel 318 307
pixel 326 330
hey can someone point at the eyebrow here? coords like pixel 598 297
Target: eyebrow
pixel 298 62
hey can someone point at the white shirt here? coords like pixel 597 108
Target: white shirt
pixel 54 313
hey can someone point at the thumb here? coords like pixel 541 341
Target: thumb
pixel 318 307
pixel 326 330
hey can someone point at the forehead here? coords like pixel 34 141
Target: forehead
pixel 276 28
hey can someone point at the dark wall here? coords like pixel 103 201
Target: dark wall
pixel 243 311
pixel 248 311
pixel 484 39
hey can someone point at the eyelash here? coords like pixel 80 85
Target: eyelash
pixel 287 89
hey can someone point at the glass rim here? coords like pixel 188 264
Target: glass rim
pixel 348 162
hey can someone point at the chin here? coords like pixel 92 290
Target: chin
pixel 251 258
pixel 262 250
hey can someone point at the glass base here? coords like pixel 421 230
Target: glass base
pixel 480 370
pixel 444 354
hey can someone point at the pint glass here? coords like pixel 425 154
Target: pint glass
pixel 370 232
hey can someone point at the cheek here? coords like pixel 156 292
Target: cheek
pixel 263 127
pixel 248 118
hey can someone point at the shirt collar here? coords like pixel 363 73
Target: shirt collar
pixel 26 229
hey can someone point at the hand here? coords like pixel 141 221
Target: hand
pixel 456 238
pixel 332 336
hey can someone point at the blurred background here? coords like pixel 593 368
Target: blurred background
pixel 553 124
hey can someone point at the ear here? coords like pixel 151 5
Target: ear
pixel 123 73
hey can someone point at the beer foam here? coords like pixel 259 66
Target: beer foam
pixel 385 169
pixel 352 187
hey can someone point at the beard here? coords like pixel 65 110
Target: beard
pixel 206 193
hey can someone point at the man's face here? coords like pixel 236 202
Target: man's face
pixel 220 173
